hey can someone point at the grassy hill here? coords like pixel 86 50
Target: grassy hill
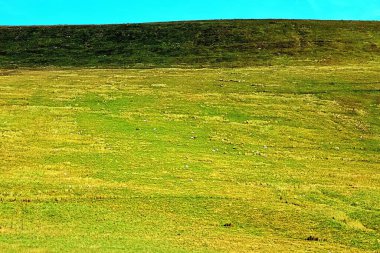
pixel 281 154
pixel 186 160
pixel 199 44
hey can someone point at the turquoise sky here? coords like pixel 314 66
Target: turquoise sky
pixel 47 12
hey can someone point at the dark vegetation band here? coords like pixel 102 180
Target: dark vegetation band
pixel 229 43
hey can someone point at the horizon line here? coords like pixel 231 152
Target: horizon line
pixel 194 20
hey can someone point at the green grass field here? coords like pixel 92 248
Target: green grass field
pixel 281 158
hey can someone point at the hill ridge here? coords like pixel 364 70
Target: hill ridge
pixel 217 43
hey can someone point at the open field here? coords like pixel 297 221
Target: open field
pixel 203 160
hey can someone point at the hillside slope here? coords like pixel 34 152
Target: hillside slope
pixel 199 43
pixel 261 159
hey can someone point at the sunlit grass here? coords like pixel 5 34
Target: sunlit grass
pixel 250 159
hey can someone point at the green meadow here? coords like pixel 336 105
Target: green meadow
pixel 253 159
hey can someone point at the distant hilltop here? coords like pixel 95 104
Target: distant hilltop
pixel 222 43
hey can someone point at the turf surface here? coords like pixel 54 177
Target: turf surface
pixel 177 160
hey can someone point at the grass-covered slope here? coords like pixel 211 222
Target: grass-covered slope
pixel 261 159
pixel 253 159
pixel 202 43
